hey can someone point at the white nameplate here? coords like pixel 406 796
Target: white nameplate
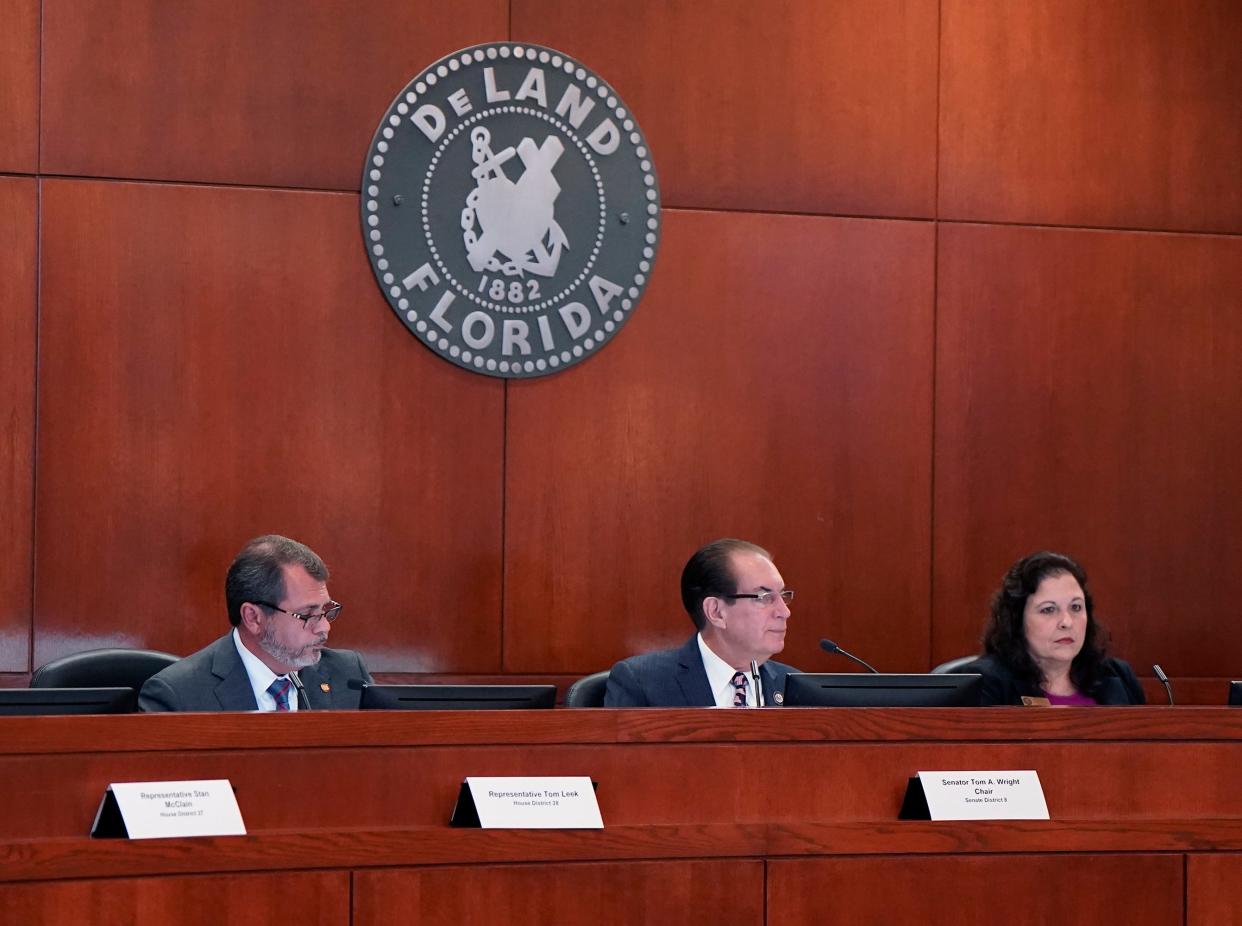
pixel 536 803
pixel 977 795
pixel 162 809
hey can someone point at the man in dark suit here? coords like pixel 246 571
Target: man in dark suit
pixel 740 606
pixel 275 658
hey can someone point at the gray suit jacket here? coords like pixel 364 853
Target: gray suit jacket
pixel 215 679
pixel 676 678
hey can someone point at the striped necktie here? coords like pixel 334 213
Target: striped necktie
pixel 279 690
pixel 739 684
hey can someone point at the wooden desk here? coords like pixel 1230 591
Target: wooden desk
pixel 778 816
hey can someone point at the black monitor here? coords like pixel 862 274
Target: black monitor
pixel 16 701
pixel 456 697
pixel 1235 694
pixel 855 689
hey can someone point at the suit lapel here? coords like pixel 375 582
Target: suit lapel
pixel 314 678
pixel 234 691
pixel 773 693
pixel 692 677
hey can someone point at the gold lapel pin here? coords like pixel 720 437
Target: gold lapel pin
pixel 779 698
pixel 324 686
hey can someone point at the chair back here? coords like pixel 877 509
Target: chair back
pixel 954 665
pixel 588 691
pixel 102 668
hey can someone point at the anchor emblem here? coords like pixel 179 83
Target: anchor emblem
pixel 513 218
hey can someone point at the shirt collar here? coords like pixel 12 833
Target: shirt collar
pixel 261 677
pixel 720 677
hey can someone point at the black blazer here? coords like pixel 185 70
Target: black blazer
pixel 1117 684
pixel 676 678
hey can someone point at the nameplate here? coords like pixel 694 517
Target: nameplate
pixel 164 809
pixel 975 795
pixel 528 804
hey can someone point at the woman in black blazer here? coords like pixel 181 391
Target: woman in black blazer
pixel 1043 641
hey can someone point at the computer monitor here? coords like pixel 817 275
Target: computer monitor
pixel 457 697
pixel 1235 694
pixel 855 689
pixel 17 701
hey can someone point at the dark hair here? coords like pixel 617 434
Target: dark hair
pixel 1005 637
pixel 709 573
pixel 257 571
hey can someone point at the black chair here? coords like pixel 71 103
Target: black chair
pixel 953 665
pixel 588 691
pixel 102 668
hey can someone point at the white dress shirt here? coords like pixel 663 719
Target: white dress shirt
pixel 261 678
pixel 720 678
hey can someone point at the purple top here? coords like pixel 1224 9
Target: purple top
pixel 1077 699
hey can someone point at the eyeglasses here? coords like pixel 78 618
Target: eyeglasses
pixel 763 599
pixel 331 611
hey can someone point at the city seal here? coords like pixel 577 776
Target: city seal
pixel 510 210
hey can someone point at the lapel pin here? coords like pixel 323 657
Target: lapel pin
pixel 324 686
pixel 779 698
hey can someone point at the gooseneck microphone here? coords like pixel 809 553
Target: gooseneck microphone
pixel 1164 680
pixel 304 703
pixel 754 673
pixel 829 647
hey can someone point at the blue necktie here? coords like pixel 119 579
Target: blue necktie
pixel 279 690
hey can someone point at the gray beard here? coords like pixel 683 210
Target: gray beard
pixel 295 659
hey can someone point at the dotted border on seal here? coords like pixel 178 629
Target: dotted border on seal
pixel 374 175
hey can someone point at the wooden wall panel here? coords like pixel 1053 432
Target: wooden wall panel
pixel 789 106
pixel 313 898
pixel 1087 400
pixel 775 385
pixel 218 363
pixel 18 231
pixel 565 895
pixel 1213 889
pixel 1023 890
pixel 285 93
pixel 19 86
pixel 1092 112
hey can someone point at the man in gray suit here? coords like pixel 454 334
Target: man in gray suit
pixel 275 658
pixel 739 603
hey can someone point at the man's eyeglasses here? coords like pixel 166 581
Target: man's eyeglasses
pixel 330 612
pixel 763 599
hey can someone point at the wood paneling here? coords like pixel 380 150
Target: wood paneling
pixel 19 86
pixel 565 895
pixel 641 760
pixel 775 385
pixel 1141 890
pixel 1086 400
pixel 788 106
pixel 314 898
pixel 1092 112
pixel 18 232
pixel 218 363
pixel 1213 889
pixel 286 93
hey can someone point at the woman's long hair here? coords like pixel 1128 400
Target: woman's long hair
pixel 1005 637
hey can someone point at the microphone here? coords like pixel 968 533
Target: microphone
pixel 1164 680
pixel 829 647
pixel 297 683
pixel 754 673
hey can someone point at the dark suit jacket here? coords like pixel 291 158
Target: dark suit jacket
pixel 215 679
pixel 676 678
pixel 1117 685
